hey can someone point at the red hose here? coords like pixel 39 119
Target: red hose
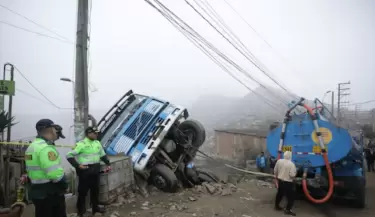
pixel 330 183
pixel 329 171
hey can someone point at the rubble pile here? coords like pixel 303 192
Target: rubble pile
pixel 180 202
pixel 216 188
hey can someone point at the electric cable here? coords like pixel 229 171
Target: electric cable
pixel 239 50
pixel 197 36
pixel 281 57
pixel 237 41
pixel 30 20
pixel 210 45
pixel 40 92
pixel 229 32
pixel 37 33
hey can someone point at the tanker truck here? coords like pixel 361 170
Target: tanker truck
pixel 329 158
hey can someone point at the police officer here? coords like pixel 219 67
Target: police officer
pixel 85 157
pixel 45 172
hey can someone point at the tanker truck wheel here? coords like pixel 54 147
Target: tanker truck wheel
pixel 360 201
pixel 163 178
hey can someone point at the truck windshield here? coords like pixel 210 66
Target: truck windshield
pixel 127 110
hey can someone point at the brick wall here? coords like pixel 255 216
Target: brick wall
pixel 238 147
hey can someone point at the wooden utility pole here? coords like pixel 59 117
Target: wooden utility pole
pixel 81 96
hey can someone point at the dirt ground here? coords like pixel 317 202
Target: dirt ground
pixel 250 197
pixel 253 198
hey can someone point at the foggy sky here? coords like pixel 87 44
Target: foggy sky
pixel 133 47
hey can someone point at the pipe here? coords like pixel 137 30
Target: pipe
pixel 326 161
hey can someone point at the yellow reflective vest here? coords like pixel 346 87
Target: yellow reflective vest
pixel 43 163
pixel 87 152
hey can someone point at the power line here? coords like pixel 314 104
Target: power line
pixel 254 62
pixel 37 33
pixel 34 97
pixel 236 40
pixel 30 20
pixel 361 103
pixel 194 37
pixel 282 58
pixel 40 92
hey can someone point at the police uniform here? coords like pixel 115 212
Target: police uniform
pixel 46 175
pixel 88 153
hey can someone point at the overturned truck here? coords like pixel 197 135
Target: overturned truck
pixel 159 138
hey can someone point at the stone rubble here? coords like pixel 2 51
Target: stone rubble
pixel 219 189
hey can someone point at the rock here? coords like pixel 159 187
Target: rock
pixel 249 198
pixel 246 215
pixel 115 214
pixel 98 214
pixel 210 188
pixel 172 208
pixel 146 203
pixel 226 191
pixel 192 199
pixel 72 215
pixel 133 214
pixel 232 187
pixel 145 208
pixel 116 205
pixel 264 184
pixel 121 200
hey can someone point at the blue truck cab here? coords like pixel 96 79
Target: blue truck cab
pixel 156 134
pixel 344 167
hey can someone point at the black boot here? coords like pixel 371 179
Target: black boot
pixel 98 210
pixel 289 212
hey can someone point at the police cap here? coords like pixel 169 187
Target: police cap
pixel 59 131
pixel 43 124
pixel 91 130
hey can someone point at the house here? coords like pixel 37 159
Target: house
pixel 239 145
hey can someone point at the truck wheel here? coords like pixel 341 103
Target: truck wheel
pixel 205 176
pixel 196 130
pixel 163 178
pixel 360 201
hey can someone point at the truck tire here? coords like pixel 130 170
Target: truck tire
pixel 196 129
pixel 163 178
pixel 206 176
pixel 360 201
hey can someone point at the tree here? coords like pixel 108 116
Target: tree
pixel 5 122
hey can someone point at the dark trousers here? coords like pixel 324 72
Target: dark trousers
pixel 261 169
pixel 285 189
pixel 88 182
pixel 52 206
pixel 370 165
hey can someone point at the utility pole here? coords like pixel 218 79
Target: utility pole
pixel 81 96
pixel 333 103
pixel 342 92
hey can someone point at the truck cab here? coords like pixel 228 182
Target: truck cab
pixel 158 136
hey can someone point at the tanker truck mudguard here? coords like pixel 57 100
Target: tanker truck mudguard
pixel 328 158
pixel 157 136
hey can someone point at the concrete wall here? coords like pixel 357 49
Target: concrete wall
pixel 238 147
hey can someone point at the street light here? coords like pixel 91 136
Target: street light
pixel 67 80
pixel 332 100
pixel 325 94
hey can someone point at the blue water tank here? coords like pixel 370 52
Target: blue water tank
pixel 300 138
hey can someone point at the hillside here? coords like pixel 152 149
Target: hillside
pixel 249 111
